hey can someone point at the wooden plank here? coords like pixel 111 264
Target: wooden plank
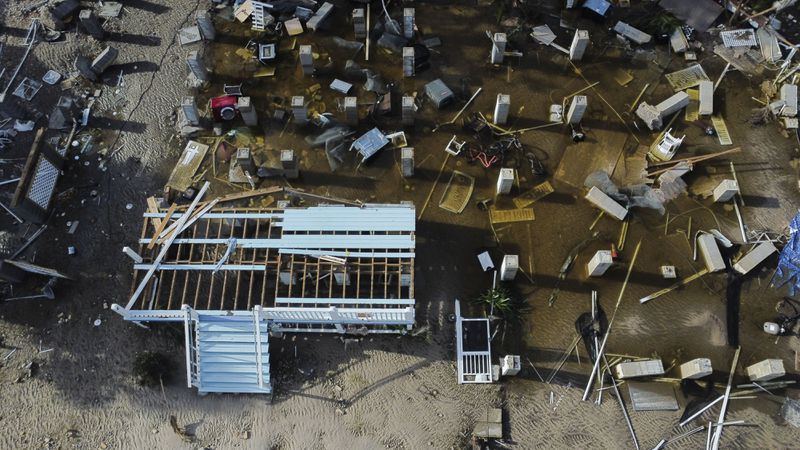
pixel 536 193
pixel 175 230
pixel 511 215
pixel 161 226
pixel 152 206
pixel 29 168
pixel 722 130
pixel 243 195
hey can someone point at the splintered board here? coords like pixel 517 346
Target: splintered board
pixel 538 192
pixel 510 215
pixel 686 78
pixel 457 193
pixel 722 130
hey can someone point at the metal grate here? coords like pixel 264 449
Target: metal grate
pixel 43 184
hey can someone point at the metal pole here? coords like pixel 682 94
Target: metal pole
pixel 610 323
pixel 621 404
pixel 726 397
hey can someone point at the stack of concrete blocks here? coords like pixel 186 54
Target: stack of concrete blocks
pixel 408 61
pixel 579 43
pixel 498 48
pixel 696 368
pixel 322 13
pixel 351 110
pixel 299 110
pixel 360 23
pixel 408 110
pixel 673 104
pixel 576 109
pixel 755 257
pixel 407 161
pixel 104 60
pixel 599 264
pixel 190 111
pixel 91 24
pixel 307 59
pixel 509 267
pixel 649 115
pixel 505 181
pixel 196 66
pixel 289 164
pixel 606 203
pixel 247 110
pixel 510 365
pixel 766 370
pixel 501 108
pixel 725 191
pixel 789 98
pixel 205 25
pixel 408 23
pixel 709 250
pixel 706 88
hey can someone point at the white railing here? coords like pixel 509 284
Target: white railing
pixel 472 367
pixel 332 316
pixel 344 316
pixel 191 353
pixel 259 355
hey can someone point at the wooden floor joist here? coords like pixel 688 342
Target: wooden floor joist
pixel 254 275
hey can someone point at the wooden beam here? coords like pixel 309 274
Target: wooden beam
pixel 244 195
pixel 161 226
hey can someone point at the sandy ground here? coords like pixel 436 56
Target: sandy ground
pixel 383 392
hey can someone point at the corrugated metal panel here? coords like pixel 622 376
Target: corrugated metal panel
pixel 349 219
pixel 227 360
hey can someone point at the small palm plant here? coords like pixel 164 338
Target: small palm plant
pixel 502 304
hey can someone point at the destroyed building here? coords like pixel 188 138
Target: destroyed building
pixel 493 224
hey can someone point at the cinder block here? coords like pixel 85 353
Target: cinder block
pixel 580 41
pixel 789 97
pixel 599 263
pixel 673 104
pixel 606 203
pixel 696 368
pixel 505 181
pixel 709 250
pixel 706 98
pixel 754 257
pixel 725 190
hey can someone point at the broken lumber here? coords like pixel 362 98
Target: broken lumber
pixel 164 249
